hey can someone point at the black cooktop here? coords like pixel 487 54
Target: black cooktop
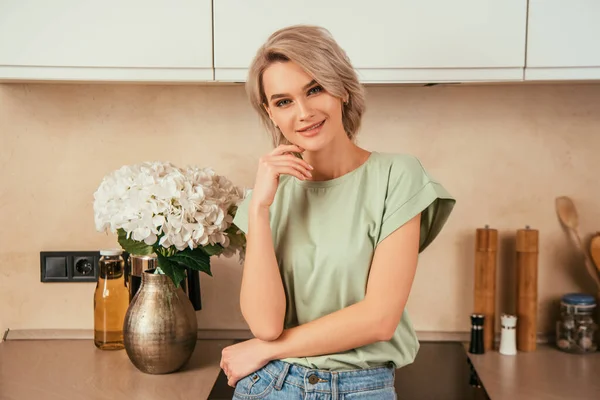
pixel 441 371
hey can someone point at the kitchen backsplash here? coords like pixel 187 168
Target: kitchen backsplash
pixel 505 153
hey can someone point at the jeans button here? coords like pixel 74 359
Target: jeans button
pixel 313 379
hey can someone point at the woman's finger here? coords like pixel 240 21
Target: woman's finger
pixel 223 366
pixel 291 158
pixel 284 148
pixel 231 381
pixel 279 170
pixel 297 167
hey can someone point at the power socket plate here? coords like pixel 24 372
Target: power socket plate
pixel 69 266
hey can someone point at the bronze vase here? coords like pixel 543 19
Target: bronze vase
pixel 160 327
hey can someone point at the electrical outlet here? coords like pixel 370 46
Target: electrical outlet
pixel 69 266
pixel 85 266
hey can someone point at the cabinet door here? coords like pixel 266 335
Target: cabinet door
pixel 387 41
pixel 109 40
pixel 563 40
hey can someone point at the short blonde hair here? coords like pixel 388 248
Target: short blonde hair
pixel 316 52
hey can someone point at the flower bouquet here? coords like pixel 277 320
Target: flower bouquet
pixel 184 216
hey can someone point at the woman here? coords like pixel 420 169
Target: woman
pixel 333 235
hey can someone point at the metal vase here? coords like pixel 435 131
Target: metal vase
pixel 137 265
pixel 160 327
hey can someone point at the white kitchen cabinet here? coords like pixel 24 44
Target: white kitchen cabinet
pixel 387 41
pixel 108 40
pixel 563 40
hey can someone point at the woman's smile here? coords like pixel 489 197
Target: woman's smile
pixel 311 130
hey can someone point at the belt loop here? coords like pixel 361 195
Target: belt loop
pixel 334 385
pixel 282 375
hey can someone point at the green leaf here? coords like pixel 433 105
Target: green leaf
pixel 133 246
pixel 236 239
pixel 171 268
pixel 212 249
pixel 196 259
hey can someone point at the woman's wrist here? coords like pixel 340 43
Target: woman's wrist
pixel 257 210
pixel 255 207
pixel 271 349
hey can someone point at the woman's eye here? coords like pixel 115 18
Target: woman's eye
pixel 316 89
pixel 281 103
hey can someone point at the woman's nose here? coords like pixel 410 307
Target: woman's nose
pixel 305 111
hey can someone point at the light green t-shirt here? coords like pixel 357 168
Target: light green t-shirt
pixel 325 234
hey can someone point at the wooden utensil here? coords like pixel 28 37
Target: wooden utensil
pixel 595 251
pixel 568 216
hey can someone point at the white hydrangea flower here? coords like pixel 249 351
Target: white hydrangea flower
pixel 186 208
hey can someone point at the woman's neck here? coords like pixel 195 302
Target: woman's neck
pixel 335 160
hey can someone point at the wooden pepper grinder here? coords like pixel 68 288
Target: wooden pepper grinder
pixel 486 245
pixel 527 288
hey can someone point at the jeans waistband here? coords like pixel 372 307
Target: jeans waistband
pixel 317 380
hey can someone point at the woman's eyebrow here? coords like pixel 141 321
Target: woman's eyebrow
pixel 280 95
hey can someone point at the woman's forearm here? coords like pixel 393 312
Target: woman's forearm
pixel 262 297
pixel 349 328
pixel 373 319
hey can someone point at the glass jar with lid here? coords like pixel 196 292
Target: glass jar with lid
pixel 576 329
pixel 111 301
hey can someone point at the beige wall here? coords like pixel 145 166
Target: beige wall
pixel 505 152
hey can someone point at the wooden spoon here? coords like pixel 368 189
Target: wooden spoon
pixel 568 216
pixel 595 250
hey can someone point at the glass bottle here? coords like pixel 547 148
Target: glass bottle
pixel 576 329
pixel 111 300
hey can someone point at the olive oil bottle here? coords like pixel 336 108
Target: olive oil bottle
pixel 111 300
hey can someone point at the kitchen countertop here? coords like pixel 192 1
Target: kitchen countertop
pixel 546 373
pixel 76 369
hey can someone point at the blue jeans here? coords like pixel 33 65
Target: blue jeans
pixel 281 380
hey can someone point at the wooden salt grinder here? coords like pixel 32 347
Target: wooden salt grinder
pixel 527 288
pixel 486 245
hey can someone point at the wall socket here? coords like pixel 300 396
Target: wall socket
pixel 69 266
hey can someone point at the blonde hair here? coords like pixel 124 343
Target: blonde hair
pixel 316 52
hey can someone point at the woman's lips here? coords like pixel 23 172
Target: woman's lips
pixel 312 130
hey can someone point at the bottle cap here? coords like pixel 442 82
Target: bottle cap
pixel 477 319
pixel 579 299
pixel 508 320
pixel 111 252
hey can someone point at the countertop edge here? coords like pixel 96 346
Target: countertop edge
pixel 234 334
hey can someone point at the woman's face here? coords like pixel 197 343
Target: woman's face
pixel 305 113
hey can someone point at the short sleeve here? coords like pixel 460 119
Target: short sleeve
pixel 410 191
pixel 241 215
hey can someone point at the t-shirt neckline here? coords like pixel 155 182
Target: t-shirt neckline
pixel 339 179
